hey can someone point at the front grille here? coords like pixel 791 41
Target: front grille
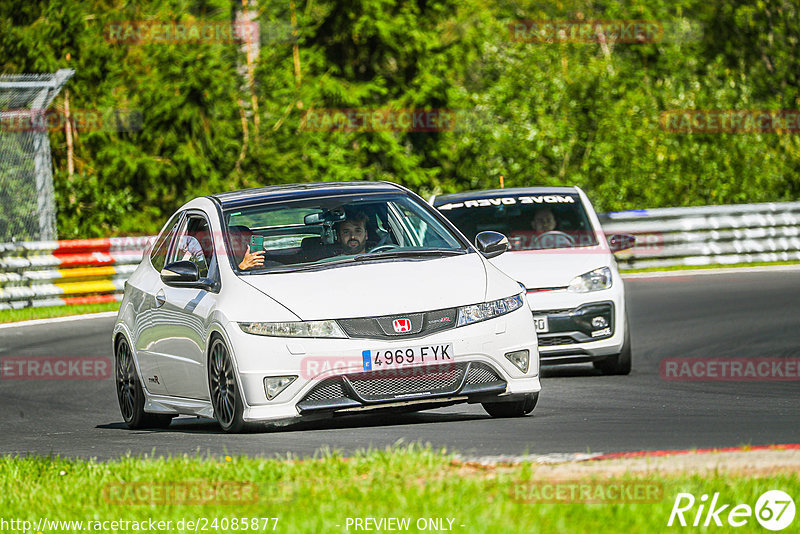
pixel 480 373
pixel 423 324
pixel 361 328
pixel 358 389
pixel 575 325
pixel 329 389
pixel 410 381
pixel 555 340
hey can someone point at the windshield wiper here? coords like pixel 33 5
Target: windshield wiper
pixel 361 257
pixel 409 254
pixel 299 267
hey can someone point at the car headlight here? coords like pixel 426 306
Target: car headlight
pixel 295 329
pixel 591 281
pixel 488 310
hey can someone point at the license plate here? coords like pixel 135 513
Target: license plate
pixel 542 326
pixel 374 360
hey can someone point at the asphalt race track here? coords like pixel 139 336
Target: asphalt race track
pixel 722 315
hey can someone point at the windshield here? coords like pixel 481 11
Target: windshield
pixel 311 233
pixel 531 222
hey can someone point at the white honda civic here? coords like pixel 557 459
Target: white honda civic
pixel 286 302
pixel 561 255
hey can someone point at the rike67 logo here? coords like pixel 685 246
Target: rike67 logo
pixel 774 510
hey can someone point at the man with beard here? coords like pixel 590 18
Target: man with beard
pixel 352 233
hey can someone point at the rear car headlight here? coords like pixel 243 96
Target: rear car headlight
pixel 295 329
pixel 488 310
pixel 591 281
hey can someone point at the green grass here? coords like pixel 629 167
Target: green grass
pixel 623 270
pixel 316 495
pixel 27 314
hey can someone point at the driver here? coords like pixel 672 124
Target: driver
pixel 352 233
pixel 543 221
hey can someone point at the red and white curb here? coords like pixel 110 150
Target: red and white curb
pixel 563 457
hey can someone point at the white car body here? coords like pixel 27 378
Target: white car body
pixel 170 329
pixel 547 273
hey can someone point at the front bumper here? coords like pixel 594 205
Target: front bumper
pixel 572 338
pixel 331 379
pixel 439 383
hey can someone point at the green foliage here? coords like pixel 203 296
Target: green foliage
pixel 17 194
pixel 48 312
pixel 93 207
pixel 535 113
pixel 412 482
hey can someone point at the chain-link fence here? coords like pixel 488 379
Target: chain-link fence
pixel 27 201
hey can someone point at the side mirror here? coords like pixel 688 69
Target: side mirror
pixel 182 274
pixel 491 244
pixel 620 242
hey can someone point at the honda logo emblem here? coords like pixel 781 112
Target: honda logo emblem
pixel 401 325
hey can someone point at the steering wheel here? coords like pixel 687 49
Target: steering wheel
pixel 554 235
pixel 381 248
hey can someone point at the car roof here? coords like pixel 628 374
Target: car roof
pixel 247 197
pixel 497 193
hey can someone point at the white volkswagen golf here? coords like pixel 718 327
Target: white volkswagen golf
pixel 283 302
pixel 560 254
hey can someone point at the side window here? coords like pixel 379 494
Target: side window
pixel 158 256
pixel 195 244
pixel 414 224
pixel 396 222
pixel 417 224
pixel 383 229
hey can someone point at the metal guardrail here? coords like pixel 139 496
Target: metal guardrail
pixel 55 273
pixel 708 235
pixel 52 273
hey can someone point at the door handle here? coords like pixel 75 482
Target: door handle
pixel 160 298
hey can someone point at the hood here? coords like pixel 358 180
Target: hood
pixel 551 268
pixel 373 289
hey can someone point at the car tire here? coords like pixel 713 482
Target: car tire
pixel 226 398
pixel 130 393
pixel 618 364
pixel 514 408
